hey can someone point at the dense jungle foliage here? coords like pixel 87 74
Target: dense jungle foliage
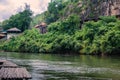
pixel 65 34
pixel 98 37
pixel 58 10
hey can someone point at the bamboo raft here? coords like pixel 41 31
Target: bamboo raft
pixel 11 71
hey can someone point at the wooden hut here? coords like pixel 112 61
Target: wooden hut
pixel 10 71
pixel 42 27
pixel 13 32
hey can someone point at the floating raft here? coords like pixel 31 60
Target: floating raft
pixel 10 71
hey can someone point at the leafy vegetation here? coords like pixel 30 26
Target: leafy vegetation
pixel 98 37
pixel 65 33
pixel 20 20
pixel 58 10
pixel 53 41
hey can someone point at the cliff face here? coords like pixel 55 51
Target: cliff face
pixel 115 8
pixel 110 7
pixel 86 9
pixel 96 8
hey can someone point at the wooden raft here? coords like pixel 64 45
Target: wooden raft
pixel 10 71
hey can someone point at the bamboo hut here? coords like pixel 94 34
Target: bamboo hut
pixel 13 32
pixel 42 27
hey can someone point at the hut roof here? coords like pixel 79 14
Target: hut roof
pixel 43 24
pixel 14 29
pixel 4 63
pixel 14 73
pixel 36 26
pixel 2 35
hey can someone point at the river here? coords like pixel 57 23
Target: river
pixel 67 67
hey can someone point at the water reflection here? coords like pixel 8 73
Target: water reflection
pixel 67 67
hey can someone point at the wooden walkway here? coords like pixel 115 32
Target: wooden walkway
pixel 11 71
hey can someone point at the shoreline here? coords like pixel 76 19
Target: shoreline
pixel 60 53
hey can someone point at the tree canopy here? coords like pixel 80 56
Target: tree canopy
pixel 20 20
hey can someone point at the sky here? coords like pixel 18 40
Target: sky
pixel 10 7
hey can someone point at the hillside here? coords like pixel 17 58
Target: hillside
pixel 58 10
pixel 61 9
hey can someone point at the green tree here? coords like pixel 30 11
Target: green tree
pixel 21 20
pixel 53 13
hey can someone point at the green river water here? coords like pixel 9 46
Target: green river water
pixel 67 67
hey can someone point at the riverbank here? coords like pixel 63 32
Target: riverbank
pixel 95 38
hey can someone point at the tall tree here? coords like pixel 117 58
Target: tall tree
pixel 54 9
pixel 21 20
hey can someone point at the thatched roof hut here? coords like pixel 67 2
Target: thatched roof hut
pixel 42 27
pixel 13 32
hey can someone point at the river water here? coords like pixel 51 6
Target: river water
pixel 67 67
